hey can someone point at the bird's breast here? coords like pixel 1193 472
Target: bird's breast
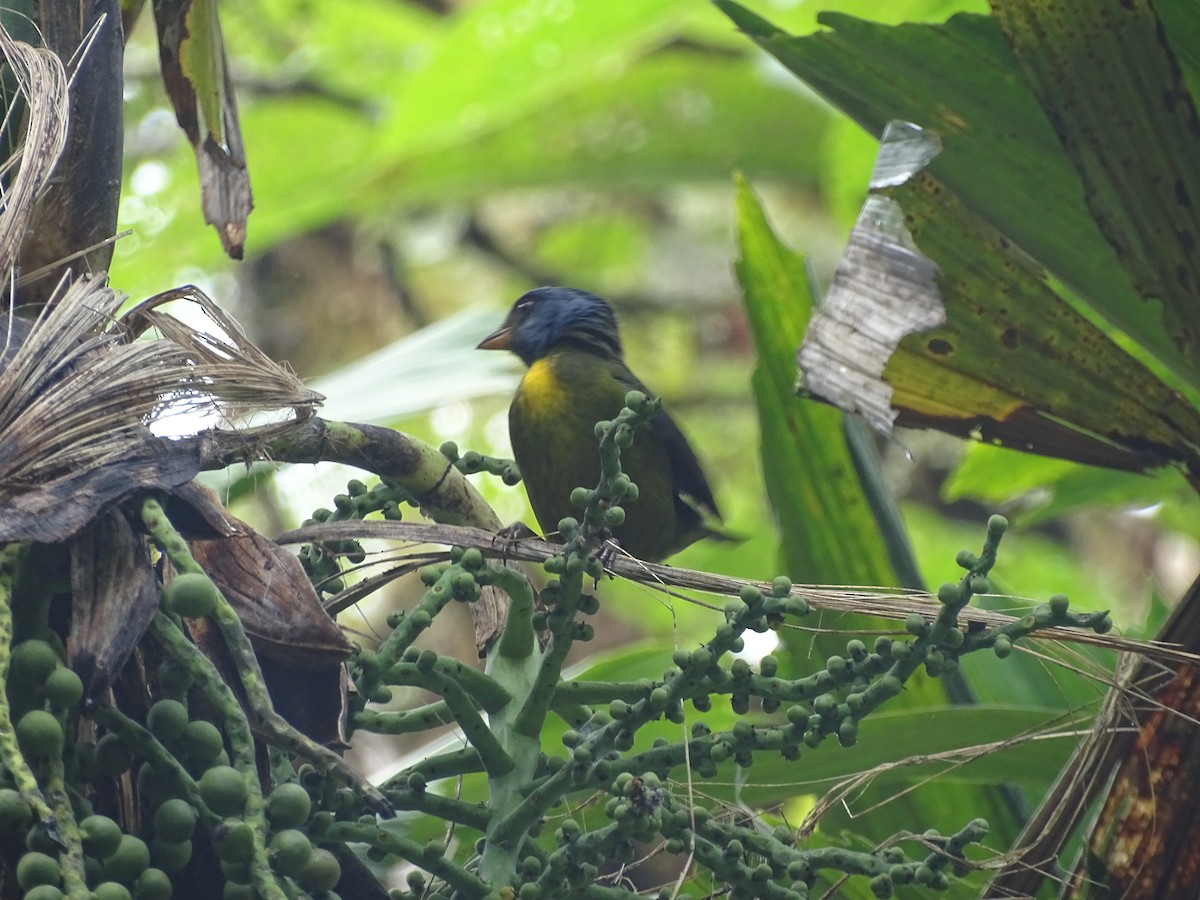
pixel 541 393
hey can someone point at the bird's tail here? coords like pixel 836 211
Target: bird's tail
pixel 711 526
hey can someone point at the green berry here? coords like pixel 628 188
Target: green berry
pixel 191 595
pixel 290 851
pixel 37 868
pixel 288 806
pixel 167 720
pixel 32 662
pixel 15 814
pixel 202 742
pixel 64 689
pixel 153 784
pixel 171 857
pixel 223 789
pixel 130 860
pixel 949 594
pixel 848 733
pixel 39 733
pixel 153 884
pixel 110 890
pixel 112 757
pixel 174 821
pixel 44 892
pixel 233 840
pixel 321 873
pixel 101 836
pixel 1059 604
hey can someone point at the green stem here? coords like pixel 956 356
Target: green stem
pixel 541 693
pixel 495 759
pixel 11 758
pixel 423 718
pixel 429 857
pixel 70 859
pixel 438 806
pixel 278 731
pixel 518 640
pixel 435 768
pixel 241 742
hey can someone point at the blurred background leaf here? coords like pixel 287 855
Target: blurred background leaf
pixel 417 165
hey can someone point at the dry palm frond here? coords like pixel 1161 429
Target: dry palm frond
pixel 79 392
pixel 243 378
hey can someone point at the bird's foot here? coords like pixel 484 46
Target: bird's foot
pixel 506 537
pixel 607 554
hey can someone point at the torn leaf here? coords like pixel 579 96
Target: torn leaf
pixel 882 290
pixel 1011 362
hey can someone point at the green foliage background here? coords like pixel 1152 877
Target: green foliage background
pixel 414 172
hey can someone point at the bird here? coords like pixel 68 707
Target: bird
pixel 577 376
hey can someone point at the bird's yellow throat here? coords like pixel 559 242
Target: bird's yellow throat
pixel 541 391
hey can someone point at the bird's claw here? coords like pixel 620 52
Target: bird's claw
pixel 607 554
pixel 517 531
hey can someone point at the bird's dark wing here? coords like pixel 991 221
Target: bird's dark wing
pixel 694 497
pixel 688 477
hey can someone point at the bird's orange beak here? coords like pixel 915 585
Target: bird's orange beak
pixel 497 340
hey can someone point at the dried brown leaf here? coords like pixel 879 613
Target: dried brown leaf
pixel 114 596
pixel 273 597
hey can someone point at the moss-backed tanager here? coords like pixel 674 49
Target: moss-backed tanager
pixel 577 377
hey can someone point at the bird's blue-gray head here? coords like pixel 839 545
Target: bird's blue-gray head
pixel 548 318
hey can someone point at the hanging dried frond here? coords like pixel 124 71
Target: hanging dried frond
pixel 42 85
pixel 196 76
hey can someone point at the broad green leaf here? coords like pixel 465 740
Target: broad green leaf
pixel 1045 489
pixel 1016 363
pixel 493 61
pixel 201 58
pixel 1002 157
pixel 936 320
pixel 1132 133
pixel 671 117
